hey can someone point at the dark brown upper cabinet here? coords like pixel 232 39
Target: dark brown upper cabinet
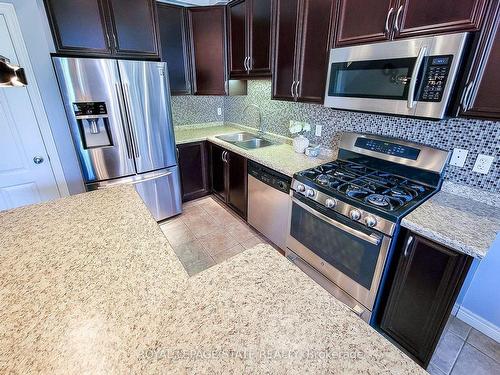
pixel 424 17
pixel 302 43
pixel 174 41
pixel 249 31
pixel 133 25
pixel 366 21
pixel 79 26
pixel 426 284
pixel 207 27
pixel 481 95
pixel 118 28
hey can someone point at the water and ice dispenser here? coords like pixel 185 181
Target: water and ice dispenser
pixel 93 123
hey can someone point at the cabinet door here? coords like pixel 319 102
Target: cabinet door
pixel 78 26
pixel 260 40
pixel 364 21
pixel 417 17
pixel 218 171
pixel 237 183
pixel 483 85
pixel 238 37
pixel 134 28
pixel 285 32
pixel 207 25
pixel 174 46
pixel 426 284
pixel 314 50
pixel 193 165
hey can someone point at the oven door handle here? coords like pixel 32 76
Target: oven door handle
pixel 414 75
pixel 371 238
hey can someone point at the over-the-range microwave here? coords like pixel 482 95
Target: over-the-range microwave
pixel 412 77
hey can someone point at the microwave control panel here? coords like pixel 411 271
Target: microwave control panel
pixel 435 76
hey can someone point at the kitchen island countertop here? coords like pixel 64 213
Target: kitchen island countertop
pixel 280 157
pixel 89 284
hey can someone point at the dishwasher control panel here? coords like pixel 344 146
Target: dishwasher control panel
pixel 270 177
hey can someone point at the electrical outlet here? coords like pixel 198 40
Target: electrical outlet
pixel 219 111
pixel 483 164
pixel 458 157
pixel 318 130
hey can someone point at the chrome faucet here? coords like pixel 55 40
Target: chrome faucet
pixel 261 130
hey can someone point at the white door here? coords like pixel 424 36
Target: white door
pixel 26 174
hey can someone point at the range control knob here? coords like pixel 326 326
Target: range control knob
pixel 370 221
pixel 355 214
pixel 301 188
pixel 330 203
pixel 310 193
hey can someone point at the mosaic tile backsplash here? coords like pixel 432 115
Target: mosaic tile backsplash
pixel 474 135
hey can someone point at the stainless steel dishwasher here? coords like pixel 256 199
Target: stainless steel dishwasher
pixel 269 202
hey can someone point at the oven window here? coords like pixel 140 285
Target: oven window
pixel 379 79
pixel 350 255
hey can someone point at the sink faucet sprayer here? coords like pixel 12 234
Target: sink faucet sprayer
pixel 261 130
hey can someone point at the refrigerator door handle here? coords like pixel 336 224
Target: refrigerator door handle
pixel 131 120
pixel 124 119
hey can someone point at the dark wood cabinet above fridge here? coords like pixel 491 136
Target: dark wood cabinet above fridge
pixel 104 28
pixel 249 38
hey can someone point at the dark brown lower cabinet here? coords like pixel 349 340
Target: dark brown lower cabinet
pixel 193 164
pixel 229 178
pixel 427 281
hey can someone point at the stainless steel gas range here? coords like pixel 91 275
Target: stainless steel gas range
pixel 345 214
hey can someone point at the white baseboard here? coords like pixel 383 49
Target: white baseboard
pixel 481 324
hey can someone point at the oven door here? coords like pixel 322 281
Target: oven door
pixel 346 252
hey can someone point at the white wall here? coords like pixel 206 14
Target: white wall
pixel 34 27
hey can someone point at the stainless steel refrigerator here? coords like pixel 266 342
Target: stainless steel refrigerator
pixel 120 117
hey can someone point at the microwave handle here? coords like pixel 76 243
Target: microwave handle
pixel 414 75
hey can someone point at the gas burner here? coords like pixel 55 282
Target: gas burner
pixel 416 187
pixel 323 179
pixel 355 191
pixel 378 200
pixel 401 193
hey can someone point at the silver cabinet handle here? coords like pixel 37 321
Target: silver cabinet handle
pixel 38 160
pixel 387 20
pixel 245 63
pixel 124 119
pixel 114 40
pixel 297 89
pixel 131 120
pixel 396 22
pixel 371 238
pixel 291 89
pixel 224 156
pixel 249 63
pixel 407 246
pixel 109 41
pixel 414 75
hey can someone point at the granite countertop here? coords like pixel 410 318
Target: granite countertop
pixel 279 157
pixel 460 222
pixel 89 284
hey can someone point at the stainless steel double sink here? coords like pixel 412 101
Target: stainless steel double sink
pixel 245 140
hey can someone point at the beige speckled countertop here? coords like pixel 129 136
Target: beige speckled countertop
pixel 460 222
pixel 89 284
pixel 279 157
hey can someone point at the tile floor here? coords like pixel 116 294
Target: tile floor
pixel 462 350
pixel 207 233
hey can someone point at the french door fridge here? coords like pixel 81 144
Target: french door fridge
pixel 121 123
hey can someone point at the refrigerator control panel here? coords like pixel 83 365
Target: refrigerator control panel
pixel 88 109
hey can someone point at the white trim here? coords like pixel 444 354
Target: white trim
pixel 33 92
pixel 479 323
